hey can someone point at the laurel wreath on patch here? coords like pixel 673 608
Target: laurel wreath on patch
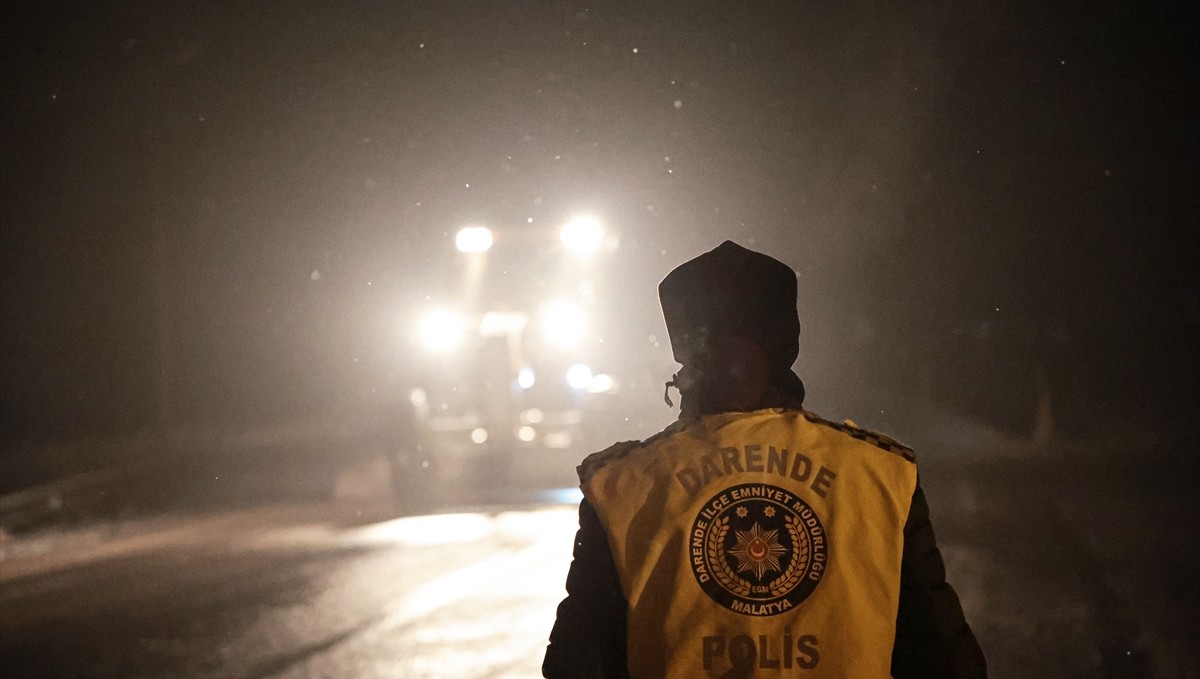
pixel 795 570
pixel 716 553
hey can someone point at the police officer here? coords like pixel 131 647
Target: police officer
pixel 751 537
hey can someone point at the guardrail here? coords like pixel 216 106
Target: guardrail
pixel 58 500
pixel 195 469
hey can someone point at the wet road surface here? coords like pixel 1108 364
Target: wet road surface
pixel 453 595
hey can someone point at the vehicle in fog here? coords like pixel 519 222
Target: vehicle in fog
pixel 512 373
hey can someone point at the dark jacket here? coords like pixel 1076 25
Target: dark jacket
pixel 933 639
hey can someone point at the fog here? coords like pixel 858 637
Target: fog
pixel 221 225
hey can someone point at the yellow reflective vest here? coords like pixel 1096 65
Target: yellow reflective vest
pixel 757 544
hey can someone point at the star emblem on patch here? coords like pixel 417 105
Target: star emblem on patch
pixel 757 551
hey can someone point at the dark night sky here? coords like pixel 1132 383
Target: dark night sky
pixel 970 192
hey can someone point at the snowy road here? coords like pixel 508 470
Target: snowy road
pixel 1062 574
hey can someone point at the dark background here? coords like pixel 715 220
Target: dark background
pixel 225 212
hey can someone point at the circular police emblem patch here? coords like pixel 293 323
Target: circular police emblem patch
pixel 757 549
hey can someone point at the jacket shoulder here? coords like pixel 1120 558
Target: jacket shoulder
pixel 881 441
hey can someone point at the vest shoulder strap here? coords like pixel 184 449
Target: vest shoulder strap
pixel 884 443
pixel 597 461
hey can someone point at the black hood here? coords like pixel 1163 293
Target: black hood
pixel 732 291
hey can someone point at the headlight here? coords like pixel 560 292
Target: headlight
pixel 563 324
pixel 473 239
pixel 526 378
pixel 583 234
pixel 443 330
pixel 602 384
pixel 579 376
